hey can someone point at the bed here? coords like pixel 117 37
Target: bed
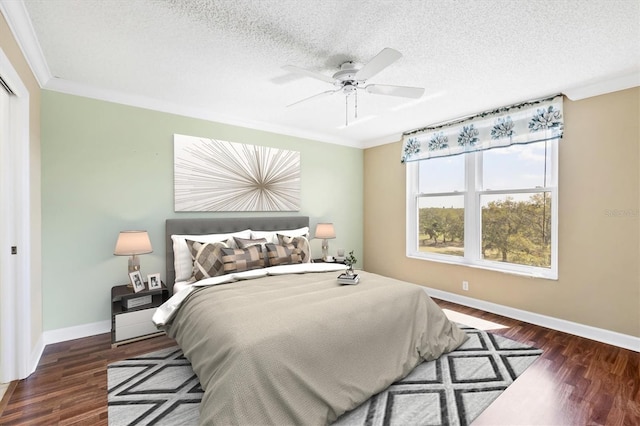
pixel 287 344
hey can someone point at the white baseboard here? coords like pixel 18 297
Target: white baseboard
pixel 601 335
pixel 593 333
pixel 36 354
pixel 76 332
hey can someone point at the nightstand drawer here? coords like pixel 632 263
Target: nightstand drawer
pixel 135 330
pixel 134 324
pixel 134 317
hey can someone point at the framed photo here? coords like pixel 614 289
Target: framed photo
pixel 154 281
pixel 136 281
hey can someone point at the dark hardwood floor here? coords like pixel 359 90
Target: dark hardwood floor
pixel 575 382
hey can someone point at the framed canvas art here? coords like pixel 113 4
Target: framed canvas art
pixel 216 175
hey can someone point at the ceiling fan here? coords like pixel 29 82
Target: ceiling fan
pixel 349 79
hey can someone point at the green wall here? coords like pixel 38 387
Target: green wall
pixel 108 167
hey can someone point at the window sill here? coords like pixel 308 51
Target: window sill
pixel 489 266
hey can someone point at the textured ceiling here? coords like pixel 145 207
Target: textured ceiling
pixel 222 60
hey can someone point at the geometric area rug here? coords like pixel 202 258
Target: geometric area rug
pixel 160 388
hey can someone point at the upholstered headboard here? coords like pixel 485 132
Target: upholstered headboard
pixel 203 226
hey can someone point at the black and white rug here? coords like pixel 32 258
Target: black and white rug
pixel 160 388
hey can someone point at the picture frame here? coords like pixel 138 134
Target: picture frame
pixel 154 282
pixel 136 281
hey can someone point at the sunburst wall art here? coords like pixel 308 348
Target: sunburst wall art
pixel 215 175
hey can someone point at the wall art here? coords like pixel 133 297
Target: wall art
pixel 216 175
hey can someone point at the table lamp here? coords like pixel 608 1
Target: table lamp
pixel 325 231
pixel 133 243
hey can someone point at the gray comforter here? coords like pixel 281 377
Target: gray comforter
pixel 302 349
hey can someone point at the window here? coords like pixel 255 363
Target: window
pixel 494 209
pixel 441 207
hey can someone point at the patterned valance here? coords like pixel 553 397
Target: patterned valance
pixel 528 122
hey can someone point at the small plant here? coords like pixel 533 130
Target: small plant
pixel 350 260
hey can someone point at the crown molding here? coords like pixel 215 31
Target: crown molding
pixel 20 24
pixel 602 87
pixel 87 91
pixel 394 137
pixel 576 93
pixel 621 82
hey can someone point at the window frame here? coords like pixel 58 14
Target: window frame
pixel 473 217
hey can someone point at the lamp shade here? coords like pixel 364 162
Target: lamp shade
pixel 325 231
pixel 132 242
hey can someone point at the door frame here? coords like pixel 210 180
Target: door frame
pixel 15 230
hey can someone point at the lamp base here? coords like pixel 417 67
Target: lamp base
pixel 134 263
pixel 325 249
pixel 133 266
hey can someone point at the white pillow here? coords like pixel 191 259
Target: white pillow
pixel 182 260
pixel 271 236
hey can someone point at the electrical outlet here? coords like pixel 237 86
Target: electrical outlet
pixel 465 285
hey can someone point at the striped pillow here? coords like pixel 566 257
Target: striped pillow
pixel 207 259
pixel 238 260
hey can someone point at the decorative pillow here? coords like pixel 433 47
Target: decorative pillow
pixel 283 254
pixel 207 259
pixel 182 258
pixel 271 237
pixel 247 242
pixel 301 243
pixel 238 260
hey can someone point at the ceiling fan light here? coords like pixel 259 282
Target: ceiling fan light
pixel 349 89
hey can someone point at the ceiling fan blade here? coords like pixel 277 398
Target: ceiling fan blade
pixel 309 73
pixel 402 91
pixel 386 57
pixel 319 95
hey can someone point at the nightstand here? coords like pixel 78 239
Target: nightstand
pixel 134 323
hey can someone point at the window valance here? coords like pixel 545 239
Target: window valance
pixel 527 122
